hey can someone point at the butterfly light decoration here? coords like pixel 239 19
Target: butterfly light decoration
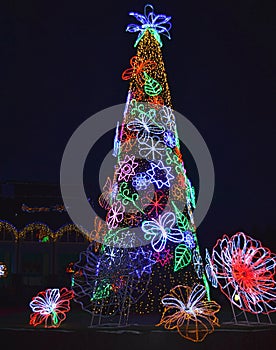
pixel 162 229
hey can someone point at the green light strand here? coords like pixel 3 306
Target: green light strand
pixel 54 317
pixel 126 197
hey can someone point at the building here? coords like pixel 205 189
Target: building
pixel 38 241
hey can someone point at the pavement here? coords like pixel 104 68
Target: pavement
pixel 141 333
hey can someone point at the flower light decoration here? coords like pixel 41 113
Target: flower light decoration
pixel 115 215
pixel 138 67
pixel 141 181
pixel 189 312
pixel 168 118
pixel 50 307
pixel 157 24
pixel 246 273
pixel 109 192
pixel 133 218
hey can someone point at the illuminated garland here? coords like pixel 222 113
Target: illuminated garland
pixel 43 232
pixel 58 208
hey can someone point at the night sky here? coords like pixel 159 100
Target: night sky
pixel 62 62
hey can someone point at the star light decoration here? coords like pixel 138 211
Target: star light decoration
pixel 50 307
pixel 163 257
pixel 160 174
pixel 141 261
pixel 126 168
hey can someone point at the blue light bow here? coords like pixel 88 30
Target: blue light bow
pixel 156 24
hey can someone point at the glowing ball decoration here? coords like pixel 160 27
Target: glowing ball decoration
pixel 50 307
pixel 246 273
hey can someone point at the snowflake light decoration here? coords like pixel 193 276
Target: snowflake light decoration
pixel 152 149
pixel 155 203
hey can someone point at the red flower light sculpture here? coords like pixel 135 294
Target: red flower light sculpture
pixel 50 307
pixel 246 273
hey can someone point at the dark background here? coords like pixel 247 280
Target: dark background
pixel 62 62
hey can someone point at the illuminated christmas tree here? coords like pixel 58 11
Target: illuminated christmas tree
pixel 150 243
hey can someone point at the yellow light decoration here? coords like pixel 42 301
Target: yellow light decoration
pixel 149 49
pixel 43 231
pixel 8 227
